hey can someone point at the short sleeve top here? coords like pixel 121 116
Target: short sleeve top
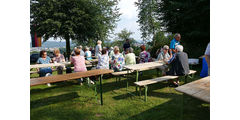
pixel 59 59
pixel 44 61
pixel 88 55
pixel 143 57
pixel 130 59
pixel 117 61
pixel 174 43
pixel 103 62
pixel 79 63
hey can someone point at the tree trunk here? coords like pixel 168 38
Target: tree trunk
pixel 67 46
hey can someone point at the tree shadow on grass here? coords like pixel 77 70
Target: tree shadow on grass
pixel 177 108
pixel 61 113
pixel 150 89
pixel 56 99
pixel 54 86
pixel 123 83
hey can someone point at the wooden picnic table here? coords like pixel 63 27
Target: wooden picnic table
pixel 143 67
pixel 49 65
pixel 199 89
pixel 87 62
pixel 71 76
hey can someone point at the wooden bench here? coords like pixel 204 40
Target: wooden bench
pixel 121 74
pixel 72 76
pixel 145 83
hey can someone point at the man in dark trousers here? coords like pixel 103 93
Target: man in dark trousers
pixel 126 45
pixel 179 64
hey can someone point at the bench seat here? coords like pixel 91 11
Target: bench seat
pixel 155 80
pixel 145 83
pixel 121 73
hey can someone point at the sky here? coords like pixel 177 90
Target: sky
pixel 128 19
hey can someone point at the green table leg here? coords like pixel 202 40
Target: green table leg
pixel 127 84
pixel 137 75
pixel 146 88
pixel 95 89
pixel 101 89
pixel 140 91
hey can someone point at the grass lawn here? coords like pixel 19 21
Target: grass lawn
pixel 70 101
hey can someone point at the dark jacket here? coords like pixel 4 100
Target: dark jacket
pixel 126 45
pixel 179 65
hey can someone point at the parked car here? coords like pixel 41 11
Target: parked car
pixel 34 57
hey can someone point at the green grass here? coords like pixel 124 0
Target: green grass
pixel 70 101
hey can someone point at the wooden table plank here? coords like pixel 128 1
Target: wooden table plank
pixel 70 76
pixel 199 89
pixel 87 62
pixel 145 66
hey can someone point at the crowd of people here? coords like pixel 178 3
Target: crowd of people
pixel 113 58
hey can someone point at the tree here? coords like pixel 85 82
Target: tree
pixel 149 24
pixel 190 18
pixel 79 20
pixel 122 36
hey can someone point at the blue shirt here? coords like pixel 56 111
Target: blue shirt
pixel 173 57
pixel 174 43
pixel 46 61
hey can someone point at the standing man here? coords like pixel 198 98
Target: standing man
pixel 207 57
pixel 126 45
pixel 175 41
pixel 98 48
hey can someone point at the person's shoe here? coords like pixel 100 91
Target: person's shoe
pixel 81 83
pixel 176 85
pixel 92 82
pixel 48 84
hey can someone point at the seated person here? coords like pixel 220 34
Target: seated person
pixel 149 55
pixel 143 56
pixel 110 52
pixel 130 57
pixel 164 56
pixel 103 60
pixel 92 51
pixel 79 62
pixel 117 60
pixel 73 52
pixel 81 51
pixel 179 64
pixel 88 54
pixel 44 59
pixel 58 59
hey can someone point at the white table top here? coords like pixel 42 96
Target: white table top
pixel 199 89
pixel 49 65
pixel 145 66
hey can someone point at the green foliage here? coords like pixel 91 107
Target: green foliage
pixel 79 20
pixel 149 24
pixel 121 37
pixel 190 18
pixel 161 40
